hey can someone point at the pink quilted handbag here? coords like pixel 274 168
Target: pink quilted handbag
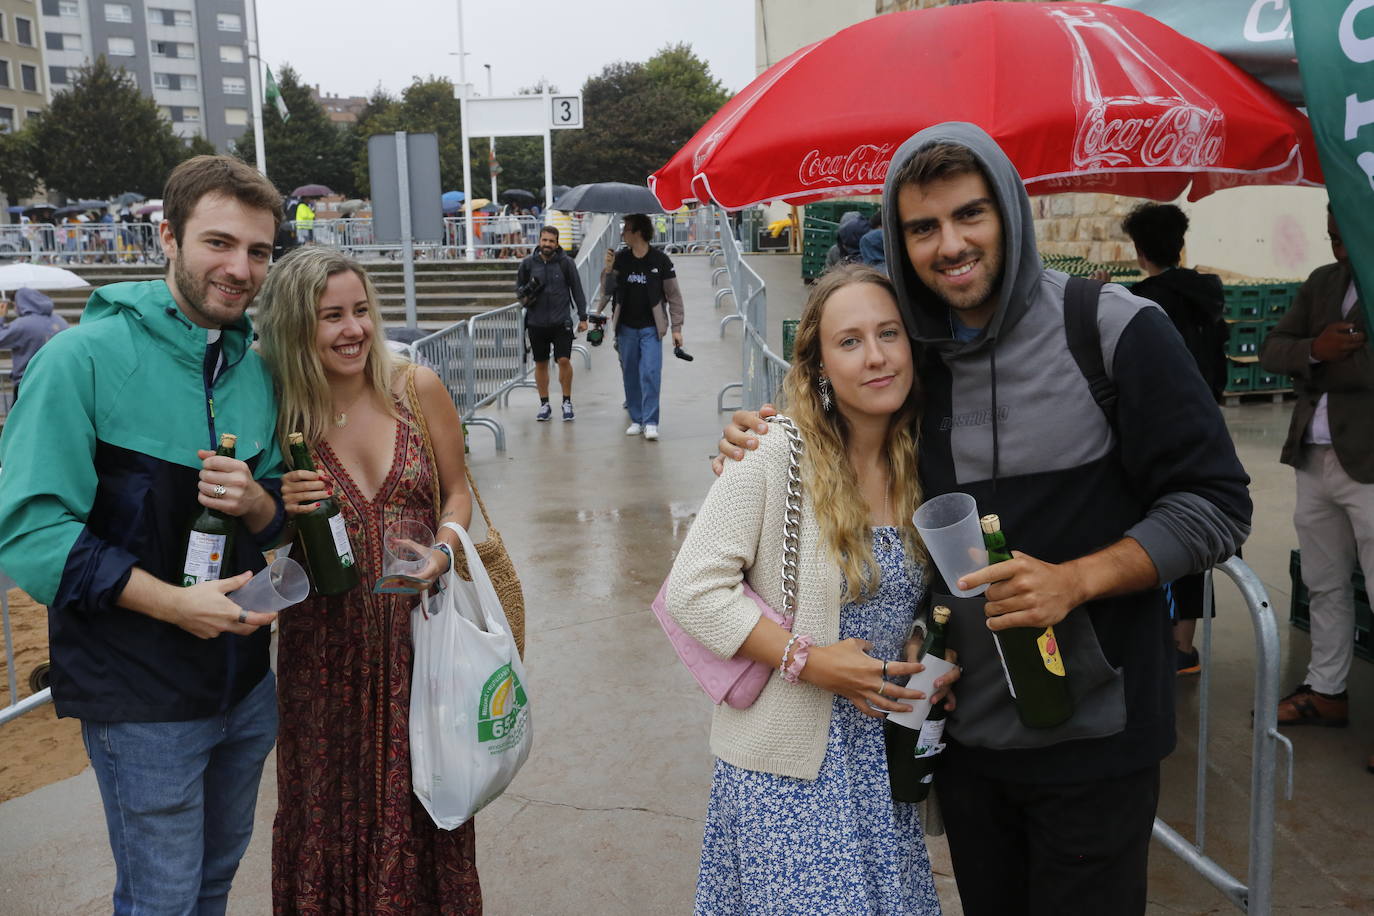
pixel 738 681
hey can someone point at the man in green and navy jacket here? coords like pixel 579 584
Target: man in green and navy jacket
pixel 105 461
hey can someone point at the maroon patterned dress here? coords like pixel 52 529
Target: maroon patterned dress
pixel 350 836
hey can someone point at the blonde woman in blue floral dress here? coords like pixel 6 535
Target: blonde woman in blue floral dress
pixel 801 818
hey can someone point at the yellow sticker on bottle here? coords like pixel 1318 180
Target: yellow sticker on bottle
pixel 1049 652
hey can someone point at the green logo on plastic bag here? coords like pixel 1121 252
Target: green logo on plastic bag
pixel 500 711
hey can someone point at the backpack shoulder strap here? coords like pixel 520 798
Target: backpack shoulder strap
pixel 1080 327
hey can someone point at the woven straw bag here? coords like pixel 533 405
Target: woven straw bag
pixel 492 550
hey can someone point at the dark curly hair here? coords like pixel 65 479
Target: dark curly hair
pixel 1157 230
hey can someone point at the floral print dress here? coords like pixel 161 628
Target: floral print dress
pixel 838 845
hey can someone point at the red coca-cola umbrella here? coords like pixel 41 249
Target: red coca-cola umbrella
pixel 1082 97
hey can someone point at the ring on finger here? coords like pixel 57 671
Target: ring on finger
pixel 243 616
pixel 880 688
pixel 885 670
pixel 218 491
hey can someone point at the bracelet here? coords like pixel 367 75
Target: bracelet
pixel 447 551
pixel 782 668
pixel 803 650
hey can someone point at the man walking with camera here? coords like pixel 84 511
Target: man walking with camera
pixel 548 286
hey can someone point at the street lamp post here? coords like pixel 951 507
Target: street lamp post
pixel 491 163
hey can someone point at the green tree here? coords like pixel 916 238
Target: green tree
pixel 102 137
pixel 306 148
pixel 199 146
pixel 636 116
pixel 427 106
pixel 18 174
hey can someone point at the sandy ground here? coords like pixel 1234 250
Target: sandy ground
pixel 38 748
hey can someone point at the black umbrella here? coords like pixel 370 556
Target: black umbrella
pixel 558 191
pixel 609 197
pixel 69 211
pixel 312 190
pixel 518 196
pixel 129 197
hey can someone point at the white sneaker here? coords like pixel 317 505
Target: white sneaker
pixel 634 429
pixel 651 431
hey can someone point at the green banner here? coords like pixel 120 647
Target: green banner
pixel 1335 45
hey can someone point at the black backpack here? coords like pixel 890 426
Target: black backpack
pixel 1080 327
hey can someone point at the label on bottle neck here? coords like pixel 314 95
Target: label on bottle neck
pixel 928 743
pixel 1049 652
pixel 342 547
pixel 204 557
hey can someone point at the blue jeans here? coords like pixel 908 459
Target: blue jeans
pixel 179 800
pixel 641 368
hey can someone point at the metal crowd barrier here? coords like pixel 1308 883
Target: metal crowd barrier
pixel 761 370
pixel 15 707
pixel 483 358
pixel 692 231
pixel 81 243
pixel 1254 895
pixel 508 237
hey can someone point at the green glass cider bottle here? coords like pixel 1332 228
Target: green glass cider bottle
pixel 930 740
pixel 211 538
pixel 911 752
pixel 1032 659
pixel 323 535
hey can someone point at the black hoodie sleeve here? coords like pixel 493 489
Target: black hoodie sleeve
pixel 1177 452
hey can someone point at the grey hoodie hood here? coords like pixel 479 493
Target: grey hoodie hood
pixel 926 315
pixel 31 302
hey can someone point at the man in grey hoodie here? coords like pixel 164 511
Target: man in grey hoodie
pixel 1101 510
pixel 34 326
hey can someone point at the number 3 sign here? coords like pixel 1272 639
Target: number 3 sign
pixel 566 111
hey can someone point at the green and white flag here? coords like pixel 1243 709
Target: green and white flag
pixel 1335 45
pixel 273 96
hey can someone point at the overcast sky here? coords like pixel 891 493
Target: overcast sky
pixel 348 47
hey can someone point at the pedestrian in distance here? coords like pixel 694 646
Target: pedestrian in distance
pixel 641 283
pixel 33 325
pixel 107 460
pixel 350 836
pixel 550 290
pixel 1106 500
pixel 1322 342
pixel 1195 303
pixel 801 818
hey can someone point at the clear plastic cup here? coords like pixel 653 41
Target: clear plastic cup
pixel 407 545
pixel 949 526
pixel 273 588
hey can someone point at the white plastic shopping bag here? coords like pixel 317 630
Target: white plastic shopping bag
pixel 470 726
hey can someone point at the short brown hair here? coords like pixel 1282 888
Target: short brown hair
pixel 549 230
pixel 202 175
pixel 937 161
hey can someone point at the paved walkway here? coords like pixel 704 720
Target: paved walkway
pixel 606 817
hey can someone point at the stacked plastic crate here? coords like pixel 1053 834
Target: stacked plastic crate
pixel 821 223
pixel 1252 311
pixel 1299 612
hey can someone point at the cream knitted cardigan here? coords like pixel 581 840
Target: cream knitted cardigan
pixel 737 535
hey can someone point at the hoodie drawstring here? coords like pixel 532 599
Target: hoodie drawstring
pixel 992 361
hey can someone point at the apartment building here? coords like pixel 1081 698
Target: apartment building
pixel 22 89
pixel 190 56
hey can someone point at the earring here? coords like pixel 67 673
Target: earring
pixel 823 386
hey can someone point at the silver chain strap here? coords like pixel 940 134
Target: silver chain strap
pixel 791 525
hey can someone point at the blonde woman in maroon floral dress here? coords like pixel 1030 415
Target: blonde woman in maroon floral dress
pixel 350 836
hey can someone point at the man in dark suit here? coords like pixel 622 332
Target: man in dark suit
pixel 1322 344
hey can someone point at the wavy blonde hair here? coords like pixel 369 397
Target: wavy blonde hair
pixel 830 481
pixel 287 323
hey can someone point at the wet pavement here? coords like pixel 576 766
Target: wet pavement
pixel 606 817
